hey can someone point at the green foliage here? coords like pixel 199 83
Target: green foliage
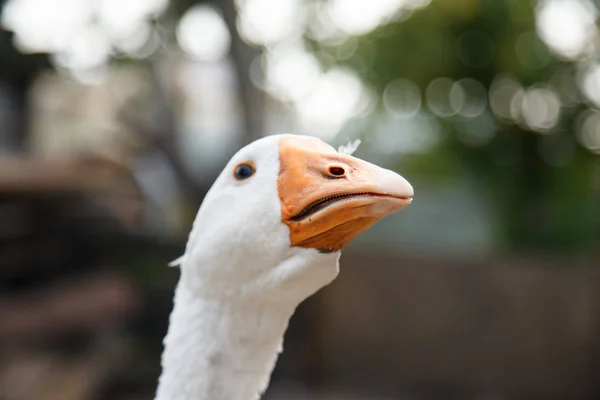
pixel 541 184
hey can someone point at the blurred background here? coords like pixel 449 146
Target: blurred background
pixel 116 116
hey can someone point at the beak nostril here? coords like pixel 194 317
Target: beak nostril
pixel 337 171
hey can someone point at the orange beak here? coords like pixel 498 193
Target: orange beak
pixel 328 198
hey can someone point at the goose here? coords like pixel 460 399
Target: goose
pixel 267 235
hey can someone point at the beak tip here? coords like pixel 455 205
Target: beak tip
pixel 405 188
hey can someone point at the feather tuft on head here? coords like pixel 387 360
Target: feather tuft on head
pixel 350 147
pixel 177 262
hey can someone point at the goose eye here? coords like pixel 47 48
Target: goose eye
pixel 243 171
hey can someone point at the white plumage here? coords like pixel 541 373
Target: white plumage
pixel 244 273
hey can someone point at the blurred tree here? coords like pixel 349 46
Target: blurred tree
pixel 241 55
pixel 542 182
pixel 18 71
pixel 538 176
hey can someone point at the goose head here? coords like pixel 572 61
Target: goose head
pixel 272 225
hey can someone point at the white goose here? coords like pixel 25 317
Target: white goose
pixel 268 235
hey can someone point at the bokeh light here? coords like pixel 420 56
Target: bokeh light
pixel 590 83
pixel 468 97
pixel 83 34
pixel 503 91
pixel 338 95
pixel 589 131
pixel 357 17
pixel 203 34
pixel 568 26
pixel 440 98
pixel 264 22
pixel 291 72
pixel 402 97
pixel 540 108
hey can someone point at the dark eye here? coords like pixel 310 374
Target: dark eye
pixel 243 171
pixel 337 171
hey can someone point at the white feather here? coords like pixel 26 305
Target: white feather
pixel 350 148
pixel 177 262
